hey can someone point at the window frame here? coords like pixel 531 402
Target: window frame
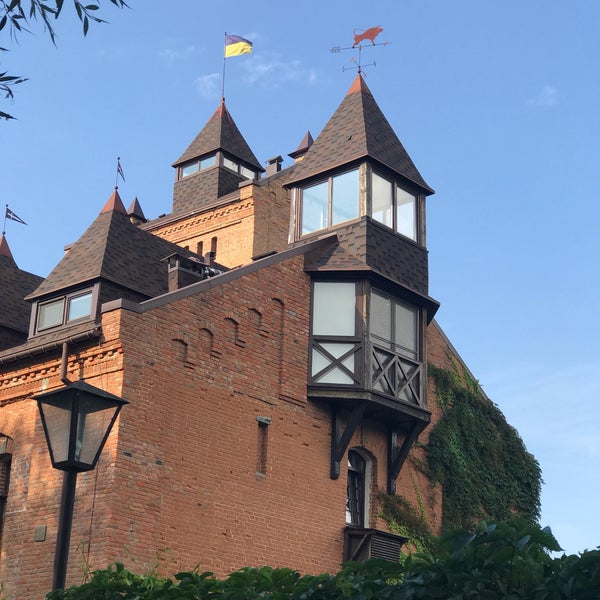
pixel 198 162
pixel 356 340
pixel 359 514
pixel 396 187
pixel 329 181
pixel 395 346
pixel 65 299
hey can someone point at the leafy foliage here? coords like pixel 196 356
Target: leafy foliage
pixel 480 460
pixel 509 561
pixel 17 16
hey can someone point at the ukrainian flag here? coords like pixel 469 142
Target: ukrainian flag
pixel 236 45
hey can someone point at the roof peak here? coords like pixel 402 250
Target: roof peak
pixel 358 85
pixel 114 203
pixel 220 134
pixel 4 248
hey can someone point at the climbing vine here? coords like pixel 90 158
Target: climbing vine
pixel 480 460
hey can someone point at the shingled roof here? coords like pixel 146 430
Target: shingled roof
pixel 113 249
pixel 358 129
pixel 15 284
pixel 220 133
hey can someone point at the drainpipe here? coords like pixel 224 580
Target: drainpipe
pixel 63 363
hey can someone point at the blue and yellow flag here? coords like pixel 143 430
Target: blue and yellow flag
pixel 236 45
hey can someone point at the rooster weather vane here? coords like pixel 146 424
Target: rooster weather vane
pixel 361 36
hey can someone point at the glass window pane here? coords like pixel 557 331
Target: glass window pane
pixel 230 164
pixel 334 308
pixel 189 169
pixel 344 197
pixel 209 161
pixel 381 198
pixel 51 314
pixel 406 219
pixel 314 207
pixel 406 329
pixel 381 317
pixel 248 173
pixel 79 307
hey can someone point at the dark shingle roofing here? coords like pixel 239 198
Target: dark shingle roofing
pixel 15 284
pixel 220 133
pixel 114 249
pixel 356 130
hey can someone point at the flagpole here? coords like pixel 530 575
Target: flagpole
pixel 4 224
pixel 223 77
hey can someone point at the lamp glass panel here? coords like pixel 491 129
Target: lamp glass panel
pixel 93 421
pixel 58 424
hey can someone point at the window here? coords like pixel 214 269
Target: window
pixel 334 332
pixel 64 310
pixel 330 202
pixel 394 324
pixel 5 464
pixel 198 165
pixel 365 338
pixel 357 491
pixel 393 206
pixel 230 164
pixel 394 335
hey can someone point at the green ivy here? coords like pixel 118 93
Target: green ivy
pixel 480 460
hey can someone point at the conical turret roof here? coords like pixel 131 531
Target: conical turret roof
pixel 15 284
pixel 358 129
pixel 113 249
pixel 220 133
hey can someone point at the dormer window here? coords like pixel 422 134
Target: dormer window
pixel 192 167
pixel 330 202
pixel 64 310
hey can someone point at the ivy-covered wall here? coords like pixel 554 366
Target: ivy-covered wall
pixel 480 460
pixel 473 457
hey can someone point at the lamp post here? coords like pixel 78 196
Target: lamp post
pixel 77 420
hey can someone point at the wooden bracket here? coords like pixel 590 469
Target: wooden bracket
pixel 341 438
pixel 397 454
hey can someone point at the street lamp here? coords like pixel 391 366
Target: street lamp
pixel 77 420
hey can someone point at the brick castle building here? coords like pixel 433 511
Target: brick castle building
pixel 271 335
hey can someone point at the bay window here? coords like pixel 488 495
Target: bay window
pixel 365 338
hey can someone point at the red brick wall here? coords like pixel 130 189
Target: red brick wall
pixel 177 485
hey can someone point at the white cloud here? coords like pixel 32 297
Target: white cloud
pixel 547 96
pixel 209 86
pixel 172 55
pixel 274 72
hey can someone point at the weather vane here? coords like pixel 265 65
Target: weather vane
pixel 361 36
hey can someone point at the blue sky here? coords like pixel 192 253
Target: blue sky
pixel 497 104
